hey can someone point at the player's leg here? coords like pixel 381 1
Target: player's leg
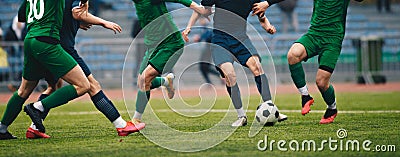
pixel 61 65
pixel 52 85
pixel 32 72
pixel 297 53
pixel 105 106
pixel 14 107
pixel 327 61
pixel 253 63
pixel 144 83
pixel 155 62
pixel 228 71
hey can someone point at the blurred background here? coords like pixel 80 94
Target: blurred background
pixel 370 53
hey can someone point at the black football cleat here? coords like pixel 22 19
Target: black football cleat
pixel 36 117
pixel 7 136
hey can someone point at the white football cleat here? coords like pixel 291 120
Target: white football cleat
pixel 170 87
pixel 242 121
pixel 282 117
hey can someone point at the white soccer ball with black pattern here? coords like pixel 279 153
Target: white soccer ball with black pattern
pixel 267 114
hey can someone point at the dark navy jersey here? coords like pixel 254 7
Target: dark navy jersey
pixel 232 19
pixel 69 27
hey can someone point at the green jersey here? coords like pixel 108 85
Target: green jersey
pixel 150 11
pixel 44 17
pixel 329 18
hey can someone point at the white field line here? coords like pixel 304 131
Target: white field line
pixel 224 111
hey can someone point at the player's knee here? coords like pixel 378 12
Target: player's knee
pixel 230 78
pixel 83 87
pixel 322 83
pixel 296 54
pixel 94 85
pixel 255 66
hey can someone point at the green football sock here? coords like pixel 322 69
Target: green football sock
pixel 298 76
pixel 157 82
pixel 329 96
pixel 14 107
pixel 59 97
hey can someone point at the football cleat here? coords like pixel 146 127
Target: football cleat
pixel 130 128
pixel 34 134
pixel 282 117
pixel 329 116
pixel 306 102
pixel 170 88
pixel 35 116
pixel 136 121
pixel 7 136
pixel 242 121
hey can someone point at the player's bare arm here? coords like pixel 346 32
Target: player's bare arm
pixel 85 26
pixel 266 25
pixel 260 8
pixel 193 19
pixel 91 19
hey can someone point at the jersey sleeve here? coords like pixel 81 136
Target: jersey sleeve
pixel 184 2
pixel 208 3
pixel 22 12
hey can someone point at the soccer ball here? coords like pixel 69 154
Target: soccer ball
pixel 267 114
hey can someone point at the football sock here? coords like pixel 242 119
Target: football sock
pixel 303 90
pixel 137 115
pixel 45 112
pixel 59 97
pixel 14 107
pixel 166 82
pixel 105 106
pixel 263 87
pixel 141 101
pixel 38 105
pixel 329 97
pixel 42 96
pixel 157 82
pixel 234 93
pixel 33 126
pixel 297 74
pixel 3 128
pixel 119 122
pixel 241 112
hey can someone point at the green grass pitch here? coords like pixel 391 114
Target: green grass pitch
pixel 78 129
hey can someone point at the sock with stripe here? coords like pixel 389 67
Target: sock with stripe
pixel 105 106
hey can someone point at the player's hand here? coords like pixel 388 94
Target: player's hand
pixel 85 26
pixel 270 29
pixel 112 26
pixel 185 34
pixel 260 8
pixel 84 8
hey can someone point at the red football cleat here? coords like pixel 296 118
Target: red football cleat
pixel 34 134
pixel 130 128
pixel 306 102
pixel 329 116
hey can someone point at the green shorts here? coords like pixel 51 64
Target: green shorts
pixel 41 58
pixel 327 48
pixel 164 56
